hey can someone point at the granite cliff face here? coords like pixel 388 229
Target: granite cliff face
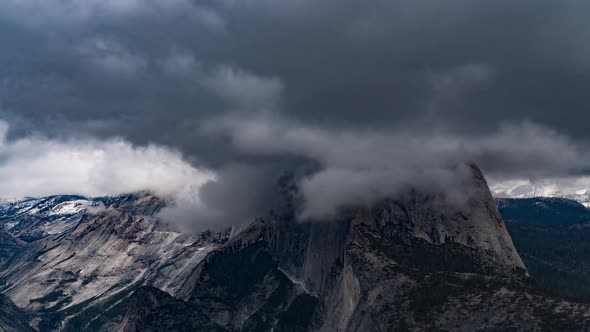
pixel 407 263
pixel 68 259
pixel 402 264
pixel 13 318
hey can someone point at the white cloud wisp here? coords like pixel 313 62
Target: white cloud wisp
pixel 38 166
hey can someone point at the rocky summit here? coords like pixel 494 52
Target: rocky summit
pixel 406 263
pixel 68 260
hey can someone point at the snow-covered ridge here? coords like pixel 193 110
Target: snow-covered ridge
pixel 575 189
pixel 33 218
pixel 51 205
pixel 73 207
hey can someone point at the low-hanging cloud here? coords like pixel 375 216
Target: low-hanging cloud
pixel 38 166
pixel 357 99
pixel 359 167
pixel 238 194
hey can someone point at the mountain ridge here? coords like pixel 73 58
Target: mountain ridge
pixel 71 263
pixel 367 262
pixel 402 263
pixel 531 190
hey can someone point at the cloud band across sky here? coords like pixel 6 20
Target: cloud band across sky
pixel 37 166
pixel 355 98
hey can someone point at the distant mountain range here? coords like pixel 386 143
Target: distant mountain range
pixel 409 263
pixel 543 189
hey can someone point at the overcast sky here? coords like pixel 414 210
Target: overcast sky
pixel 220 98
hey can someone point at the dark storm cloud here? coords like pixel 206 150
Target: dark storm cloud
pixel 239 86
pixel 343 63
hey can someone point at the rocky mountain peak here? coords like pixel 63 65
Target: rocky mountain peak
pixel 307 249
pixel 405 263
pixel 409 262
pixel 474 223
